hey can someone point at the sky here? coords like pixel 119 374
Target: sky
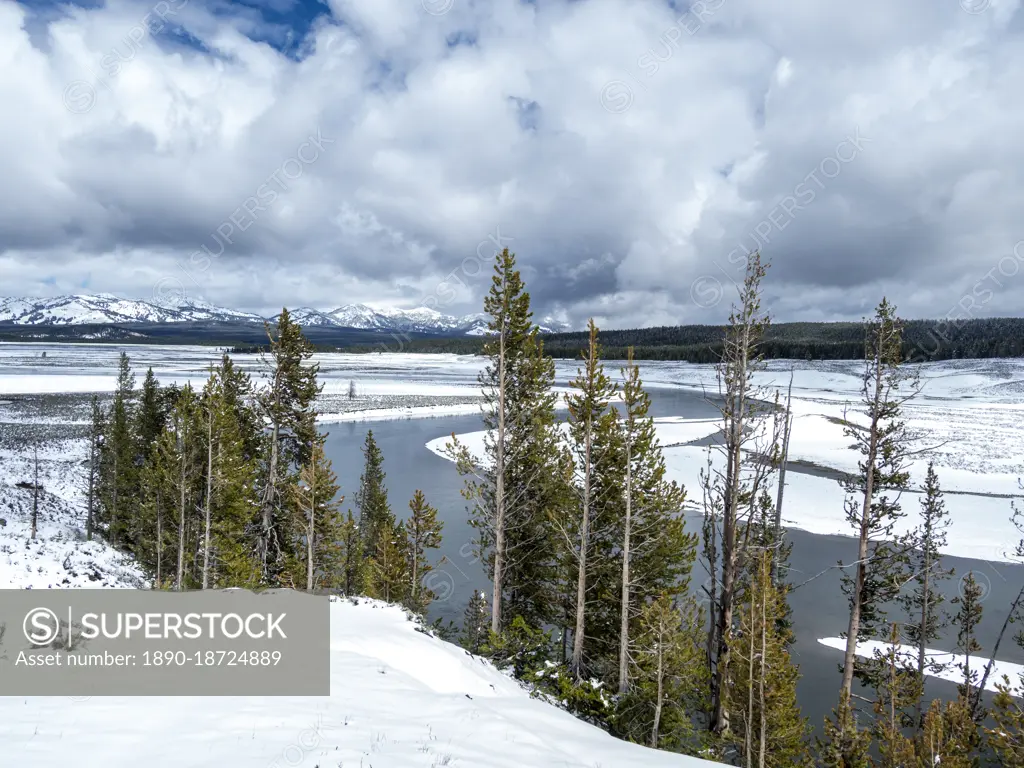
pixel 629 152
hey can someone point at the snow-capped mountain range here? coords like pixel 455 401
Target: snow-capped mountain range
pixel 103 309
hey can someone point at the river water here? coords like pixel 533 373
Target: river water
pixel 819 607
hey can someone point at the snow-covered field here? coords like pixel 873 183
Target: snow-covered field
pixel 967 419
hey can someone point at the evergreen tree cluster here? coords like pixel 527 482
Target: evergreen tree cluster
pixel 230 486
pixel 591 564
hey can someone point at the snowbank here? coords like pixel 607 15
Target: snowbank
pixel 951 672
pixel 399 699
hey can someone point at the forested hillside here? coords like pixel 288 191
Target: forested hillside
pixel 923 340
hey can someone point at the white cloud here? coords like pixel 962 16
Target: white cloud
pixel 122 152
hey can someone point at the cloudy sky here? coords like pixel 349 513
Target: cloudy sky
pixel 630 152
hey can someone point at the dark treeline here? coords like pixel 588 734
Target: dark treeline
pixel 923 340
pixel 584 540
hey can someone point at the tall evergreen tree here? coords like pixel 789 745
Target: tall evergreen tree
pixel 593 429
pixel 180 450
pixel 522 479
pixel 97 428
pixel 422 532
pixel 949 738
pixel 352 578
pixel 898 688
pixel 232 500
pixel 966 621
pixel 372 498
pixel 118 459
pixel 845 743
pixel 883 444
pixel 388 578
pixel 316 503
pixel 150 417
pixel 924 602
pixel 655 554
pixel 767 728
pixel 286 402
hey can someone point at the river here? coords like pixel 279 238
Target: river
pixel 819 608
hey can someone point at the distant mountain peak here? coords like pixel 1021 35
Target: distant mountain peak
pixel 105 308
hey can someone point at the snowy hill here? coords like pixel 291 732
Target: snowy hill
pixel 102 309
pixel 400 698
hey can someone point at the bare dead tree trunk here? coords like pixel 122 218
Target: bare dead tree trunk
pixel 267 508
pixel 736 410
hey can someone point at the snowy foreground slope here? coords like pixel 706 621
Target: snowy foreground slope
pixel 399 699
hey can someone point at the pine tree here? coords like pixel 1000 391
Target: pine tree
pixel 966 621
pixel 898 688
pixel 767 726
pixel 524 478
pixel 286 403
pixel 150 417
pixel 883 445
pixel 592 428
pixel 924 602
pixel 422 532
pixel 389 567
pixel 1007 737
pixel 353 569
pixel 239 397
pixel 476 623
pixel 949 738
pixel 118 459
pixel 845 744
pixel 655 554
pixel 180 451
pixel 372 498
pixel 96 430
pixel 668 677
pixel 316 505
